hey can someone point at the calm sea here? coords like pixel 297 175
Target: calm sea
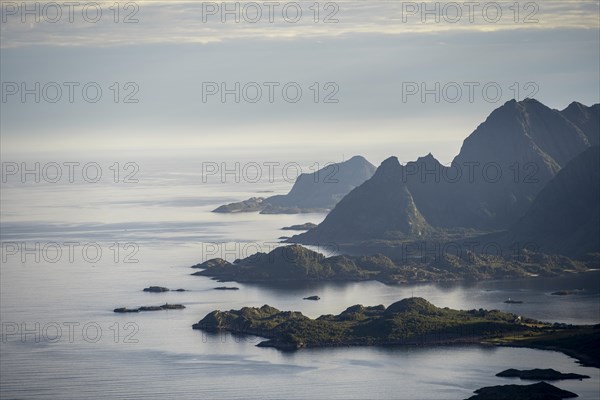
pixel 72 252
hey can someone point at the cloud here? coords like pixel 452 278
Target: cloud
pixel 200 22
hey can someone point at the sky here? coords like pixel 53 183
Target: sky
pixel 377 78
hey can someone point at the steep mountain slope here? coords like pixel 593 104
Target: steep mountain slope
pixel 565 216
pixel 514 153
pixel 382 207
pixel 585 118
pixel 490 184
pixel 525 131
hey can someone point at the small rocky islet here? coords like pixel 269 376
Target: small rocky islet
pixel 566 292
pixel 314 298
pixel 511 301
pixel 149 308
pixel 303 227
pixel 536 391
pixel 537 374
pixel 161 289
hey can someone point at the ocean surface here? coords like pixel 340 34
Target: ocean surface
pixel 72 252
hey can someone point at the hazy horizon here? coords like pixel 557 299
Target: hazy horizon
pixel 369 56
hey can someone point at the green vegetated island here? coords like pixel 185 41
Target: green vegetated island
pixel 416 322
pixel 411 321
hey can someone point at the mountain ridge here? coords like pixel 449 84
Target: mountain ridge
pixel 526 143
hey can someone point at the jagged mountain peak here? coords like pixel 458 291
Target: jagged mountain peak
pixel 381 207
pixel 574 105
pixel 429 157
pixel 585 118
pixel 526 140
pixel 526 131
pixel 565 216
pixel 389 170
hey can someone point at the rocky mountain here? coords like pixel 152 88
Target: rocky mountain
pixel 501 166
pixel 565 216
pixel 585 118
pixel 318 191
pixel 491 183
pixel 381 207
pixel 326 187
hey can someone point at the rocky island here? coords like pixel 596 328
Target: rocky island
pixel 411 321
pixel 297 263
pixel 566 292
pixel 511 301
pixel 161 289
pixel 538 374
pixel 303 227
pixel 537 391
pixel 149 308
pixel 313 298
pixel 250 205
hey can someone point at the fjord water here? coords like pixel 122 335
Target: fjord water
pixel 157 354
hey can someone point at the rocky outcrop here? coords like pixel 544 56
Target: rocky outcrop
pixel 303 227
pixel 538 374
pixel 150 308
pixel 537 391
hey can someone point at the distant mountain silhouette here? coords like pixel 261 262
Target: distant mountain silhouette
pixel 326 187
pixel 501 168
pixel 318 191
pixel 565 216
